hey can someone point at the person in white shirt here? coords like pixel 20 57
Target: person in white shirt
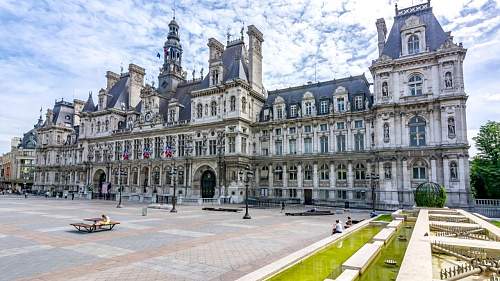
pixel 338 228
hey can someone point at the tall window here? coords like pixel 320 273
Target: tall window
pixel 198 148
pixel 156 175
pixel 341 172
pixel 308 171
pixel 199 110
pixel 293 110
pixel 307 145
pixel 419 171
pixel 232 144
pixel 213 108
pixel 359 142
pixel 212 147
pixel 292 146
pixel 264 175
pixel 358 124
pixel 279 113
pixel 417 131
pixel 340 125
pixel 358 102
pixel 278 173
pixel 453 170
pixel 360 171
pixel 243 105
pixel 340 143
pixel 413 44
pixel 232 103
pixel 415 85
pixel 292 173
pixel 323 141
pixel 308 108
pixel 324 173
pixel 279 148
pixel 135 176
pixel 323 107
pixel 158 147
pixel 340 104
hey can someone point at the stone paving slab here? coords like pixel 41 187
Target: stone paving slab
pixel 188 233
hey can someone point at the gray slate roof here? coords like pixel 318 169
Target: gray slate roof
pixel 355 85
pixel 63 113
pixel 434 33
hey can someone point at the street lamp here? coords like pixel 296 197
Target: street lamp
pixel 247 179
pixel 373 184
pixel 173 174
pixel 120 174
pixel 187 150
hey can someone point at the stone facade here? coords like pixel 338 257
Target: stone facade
pixel 317 143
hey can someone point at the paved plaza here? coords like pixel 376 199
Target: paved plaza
pixel 37 242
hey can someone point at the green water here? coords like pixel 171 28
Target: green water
pixel 327 263
pixel 384 217
pixel 395 250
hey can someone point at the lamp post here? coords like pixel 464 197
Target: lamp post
pixel 187 150
pixel 247 179
pixel 373 184
pixel 120 173
pixel 173 174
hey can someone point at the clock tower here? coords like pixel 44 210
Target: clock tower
pixel 171 73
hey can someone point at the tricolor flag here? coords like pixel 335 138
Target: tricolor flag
pixel 168 151
pixel 158 55
pixel 125 154
pixel 147 152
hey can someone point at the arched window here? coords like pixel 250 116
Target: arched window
pixel 341 172
pixel 308 171
pixel 116 175
pixel 98 126
pixel 278 173
pixel 292 173
pixel 199 110
pixel 106 127
pixel 232 103
pixel 324 173
pixel 243 104
pixel 360 171
pixel 168 177
pixel 213 108
pixel 415 85
pixel 448 80
pixel 453 170
pixel 419 171
pixel 156 176
pixel 413 44
pixel 135 176
pixel 385 89
pixel 417 131
pixel 264 175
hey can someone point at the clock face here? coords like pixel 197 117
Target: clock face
pixel 148 117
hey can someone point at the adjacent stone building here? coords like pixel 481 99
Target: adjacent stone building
pixel 319 143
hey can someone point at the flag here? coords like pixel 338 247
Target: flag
pixel 167 151
pixel 125 154
pixel 158 55
pixel 147 152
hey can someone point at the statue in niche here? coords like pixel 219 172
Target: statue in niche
pixel 453 171
pixel 386 132
pixel 385 89
pixel 387 172
pixel 448 80
pixel 451 127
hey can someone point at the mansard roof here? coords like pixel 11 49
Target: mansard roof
pixel 435 36
pixel 89 105
pixel 118 94
pixel 63 113
pixel 354 85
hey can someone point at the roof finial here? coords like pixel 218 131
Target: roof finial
pixel 242 29
pixel 228 35
pixel 173 9
pixel 396 8
pixel 121 68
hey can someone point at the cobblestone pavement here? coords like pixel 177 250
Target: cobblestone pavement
pixel 37 242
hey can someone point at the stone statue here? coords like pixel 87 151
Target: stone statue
pixel 386 132
pixel 387 172
pixel 451 127
pixel 453 171
pixel 385 90
pixel 448 80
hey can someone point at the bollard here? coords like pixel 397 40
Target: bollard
pixel 145 211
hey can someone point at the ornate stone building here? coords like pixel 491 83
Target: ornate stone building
pixel 317 143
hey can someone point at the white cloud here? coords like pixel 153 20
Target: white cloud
pixel 57 49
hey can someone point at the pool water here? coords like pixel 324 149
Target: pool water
pixel 327 263
pixel 395 250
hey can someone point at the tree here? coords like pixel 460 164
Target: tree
pixel 485 168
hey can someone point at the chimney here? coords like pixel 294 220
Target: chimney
pixel 111 79
pixel 136 82
pixel 382 32
pixel 255 39
pixel 215 67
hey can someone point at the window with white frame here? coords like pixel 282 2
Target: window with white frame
pixel 278 173
pixel 341 143
pixel 415 85
pixel 307 129
pixel 293 110
pixel 340 104
pixel 359 142
pixel 278 148
pixel 199 110
pixel 323 127
pixel 358 124
pixel 417 131
pixel 413 44
pixel 360 172
pixel 341 172
pixel 358 102
pixel 324 173
pixel 308 172
pixel 419 171
pixel 292 146
pixel 323 141
pixel 232 103
pixel 232 144
pixel 292 172
pixel 279 112
pixel 213 108
pixel 340 125
pixel 307 145
pixel 308 108
pixel 324 106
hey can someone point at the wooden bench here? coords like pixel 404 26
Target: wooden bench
pixel 86 227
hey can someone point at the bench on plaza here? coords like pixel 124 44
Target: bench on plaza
pixel 87 227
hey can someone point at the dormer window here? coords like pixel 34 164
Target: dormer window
pixel 213 108
pixel 415 85
pixel 413 44
pixel 279 113
pixel 340 104
pixel 171 115
pixel 199 110
pixel 358 102
pixel 324 106
pixel 308 108
pixel 293 110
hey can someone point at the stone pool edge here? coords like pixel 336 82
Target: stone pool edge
pixel 297 256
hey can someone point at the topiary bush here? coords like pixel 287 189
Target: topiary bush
pixel 430 195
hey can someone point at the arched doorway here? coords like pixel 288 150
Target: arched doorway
pixel 98 180
pixel 208 184
pixel 145 179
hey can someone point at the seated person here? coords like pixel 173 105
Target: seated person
pixel 348 222
pixel 104 220
pixel 337 228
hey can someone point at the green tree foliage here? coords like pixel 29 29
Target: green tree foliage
pixel 428 197
pixel 485 167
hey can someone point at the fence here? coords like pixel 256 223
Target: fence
pixel 488 207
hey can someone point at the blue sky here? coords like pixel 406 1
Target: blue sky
pixel 61 49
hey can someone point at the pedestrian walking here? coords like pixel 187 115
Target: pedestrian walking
pixel 25 194
pixel 282 206
pixel 72 196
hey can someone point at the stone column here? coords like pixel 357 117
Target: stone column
pixel 257 176
pixel 299 176
pixel 461 173
pixel 271 176
pixel 446 173
pixel 350 176
pixel 315 180
pixel 433 170
pixel 406 178
pixel 404 135
pixel 332 181
pixel 285 178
